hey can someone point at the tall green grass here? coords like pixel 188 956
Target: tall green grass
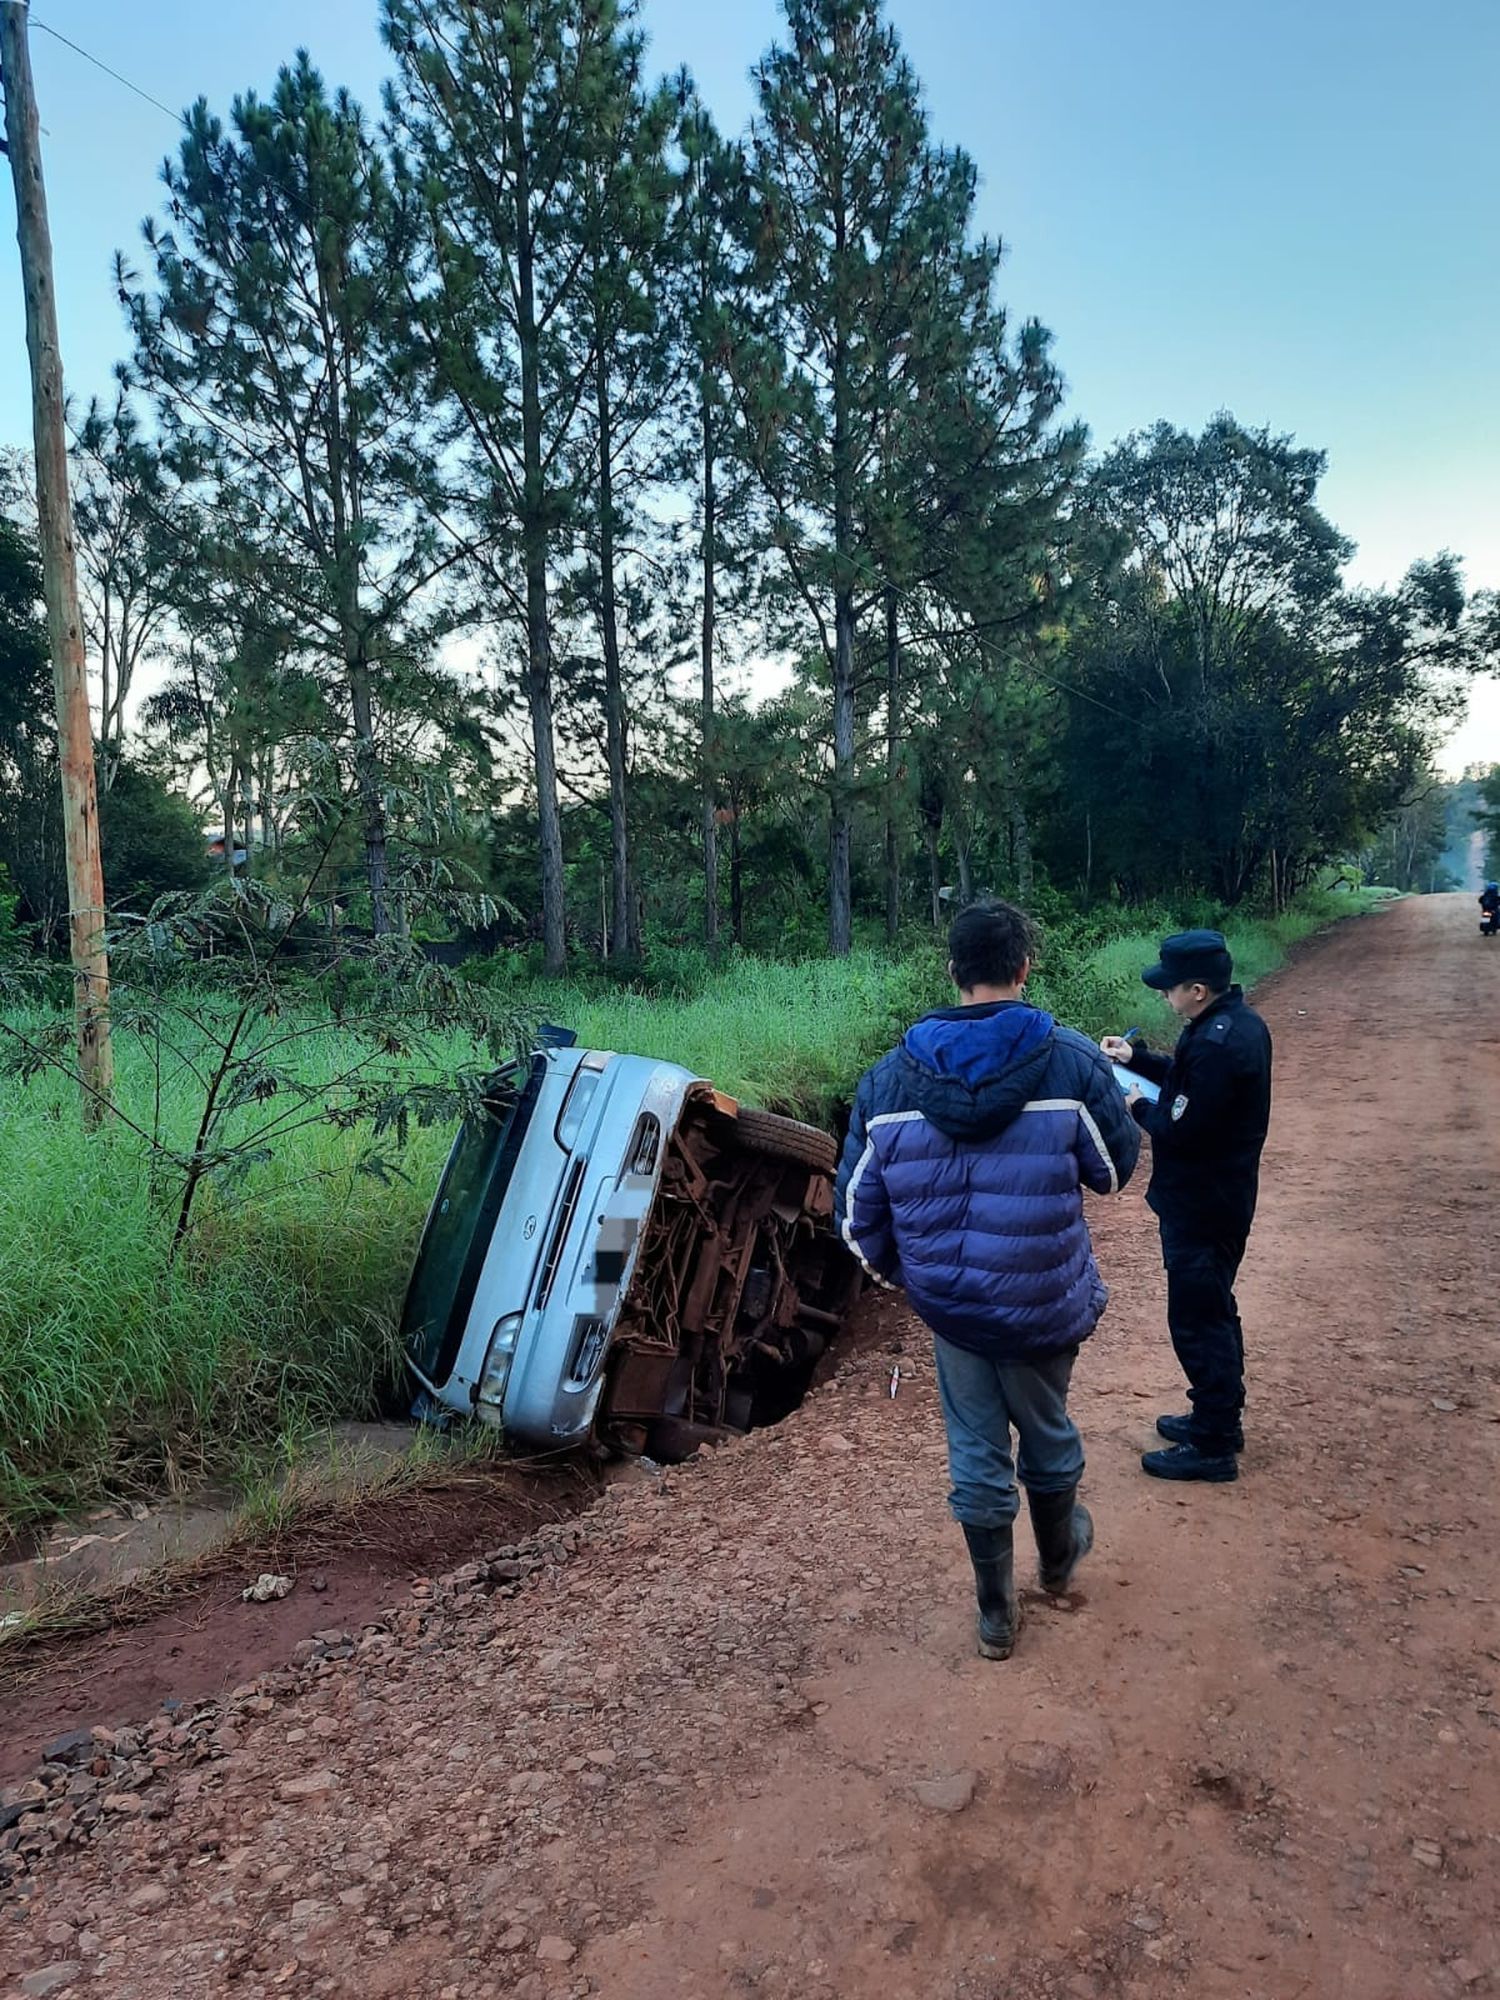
pixel 792 1037
pixel 1098 987
pixel 121 1370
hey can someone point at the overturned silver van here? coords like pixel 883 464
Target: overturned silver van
pixel 617 1251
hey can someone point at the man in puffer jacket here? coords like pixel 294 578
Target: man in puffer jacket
pixel 962 1180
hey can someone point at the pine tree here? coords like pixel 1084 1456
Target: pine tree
pixel 888 419
pixel 711 269
pixel 267 348
pixel 496 111
pixel 626 192
pixel 833 153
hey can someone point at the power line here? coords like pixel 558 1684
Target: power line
pixel 179 119
pixel 175 116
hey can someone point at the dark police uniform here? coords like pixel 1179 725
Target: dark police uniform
pixel 1207 1132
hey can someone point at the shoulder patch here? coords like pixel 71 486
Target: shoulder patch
pixel 1221 1026
pixel 1179 1105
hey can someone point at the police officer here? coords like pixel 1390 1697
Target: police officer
pixel 1207 1131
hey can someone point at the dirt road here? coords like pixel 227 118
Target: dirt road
pixel 736 1741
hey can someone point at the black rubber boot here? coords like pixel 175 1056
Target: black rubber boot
pixel 992 1552
pixel 1185 1461
pixel 1179 1430
pixel 1064 1531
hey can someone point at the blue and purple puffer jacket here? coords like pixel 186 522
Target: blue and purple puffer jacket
pixel 963 1174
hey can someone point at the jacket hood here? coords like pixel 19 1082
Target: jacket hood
pixel 971 1070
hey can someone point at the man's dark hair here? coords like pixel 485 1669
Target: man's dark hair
pixel 989 943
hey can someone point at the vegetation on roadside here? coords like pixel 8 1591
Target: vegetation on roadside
pixel 695 585
pixel 307 1499
pixel 126 1368
pixel 683 514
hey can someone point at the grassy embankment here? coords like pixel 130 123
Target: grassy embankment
pixel 121 1371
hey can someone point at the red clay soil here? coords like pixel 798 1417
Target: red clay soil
pixel 738 1742
pixel 191 1635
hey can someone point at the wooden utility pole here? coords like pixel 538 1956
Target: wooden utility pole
pixel 75 736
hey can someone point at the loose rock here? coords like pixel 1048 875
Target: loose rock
pixel 267 1588
pixel 947 1795
pixel 50 1979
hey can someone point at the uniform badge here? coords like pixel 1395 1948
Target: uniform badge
pixel 1179 1105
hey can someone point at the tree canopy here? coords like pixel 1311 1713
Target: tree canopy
pixel 659 534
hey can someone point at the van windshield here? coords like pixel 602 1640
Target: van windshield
pixel 457 1237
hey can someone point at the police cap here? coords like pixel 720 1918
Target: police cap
pixel 1191 956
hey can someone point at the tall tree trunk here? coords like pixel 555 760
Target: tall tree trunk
pixel 269 835
pixel 106 760
pixel 892 763
pixel 247 812
pixel 1019 827
pixel 122 641
pixel 736 884
pixel 534 538
pixel 371 795
pixel 623 940
pixel 706 712
pixel 930 837
pixel 840 912
pixel 840 904
pixel 965 876
pixel 345 508
pixel 231 792
pixel 539 700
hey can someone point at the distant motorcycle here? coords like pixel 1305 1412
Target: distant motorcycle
pixel 1489 911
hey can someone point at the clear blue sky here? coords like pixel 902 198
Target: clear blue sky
pixel 1287 208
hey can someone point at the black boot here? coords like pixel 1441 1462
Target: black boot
pixel 992 1553
pixel 1064 1532
pixel 1186 1461
pixel 1180 1430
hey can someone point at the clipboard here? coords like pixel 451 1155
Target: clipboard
pixel 1128 1080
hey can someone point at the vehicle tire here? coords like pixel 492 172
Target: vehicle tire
pixel 787 1139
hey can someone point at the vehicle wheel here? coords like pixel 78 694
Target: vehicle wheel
pixel 787 1139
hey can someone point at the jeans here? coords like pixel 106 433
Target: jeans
pixel 1204 1321
pixel 983 1400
